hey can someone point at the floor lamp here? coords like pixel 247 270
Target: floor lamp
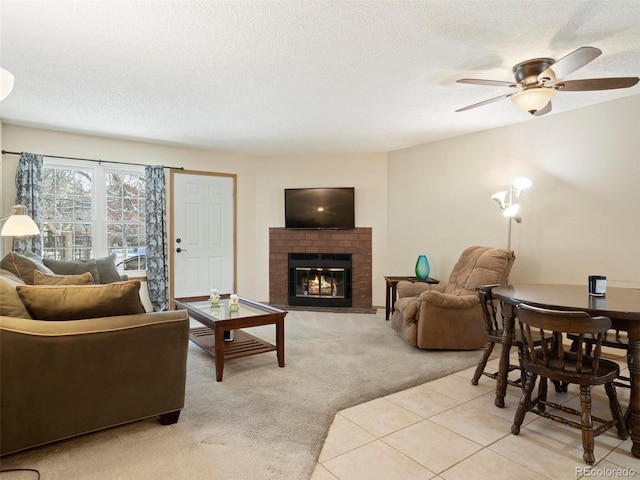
pixel 506 198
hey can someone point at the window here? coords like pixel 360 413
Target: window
pixel 93 211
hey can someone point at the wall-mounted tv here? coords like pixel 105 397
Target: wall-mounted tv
pixel 319 208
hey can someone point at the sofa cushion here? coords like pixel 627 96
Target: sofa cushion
pixel 40 278
pixel 74 267
pixel 107 269
pixel 103 269
pixel 10 303
pixel 23 265
pixel 77 302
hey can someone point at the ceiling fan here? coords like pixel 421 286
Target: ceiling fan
pixel 538 80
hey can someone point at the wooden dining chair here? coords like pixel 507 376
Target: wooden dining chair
pixel 552 360
pixel 612 339
pixel 494 329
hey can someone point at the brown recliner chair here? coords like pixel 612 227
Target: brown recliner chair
pixel 449 316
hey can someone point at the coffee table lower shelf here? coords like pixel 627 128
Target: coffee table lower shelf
pixel 243 344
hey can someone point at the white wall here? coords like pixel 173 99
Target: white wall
pixel 579 218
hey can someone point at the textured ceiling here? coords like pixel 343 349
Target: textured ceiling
pixel 296 77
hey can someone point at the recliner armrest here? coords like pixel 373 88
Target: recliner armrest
pixel 447 300
pixel 410 289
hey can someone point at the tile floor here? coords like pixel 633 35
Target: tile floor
pixel 450 429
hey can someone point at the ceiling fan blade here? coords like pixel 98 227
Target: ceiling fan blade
pixel 570 63
pixel 542 111
pixel 594 84
pixel 479 104
pixel 488 83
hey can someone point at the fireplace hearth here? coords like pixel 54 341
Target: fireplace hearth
pixel 320 279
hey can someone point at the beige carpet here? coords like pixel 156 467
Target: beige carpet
pixel 261 421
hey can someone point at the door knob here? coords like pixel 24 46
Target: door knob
pixel 180 250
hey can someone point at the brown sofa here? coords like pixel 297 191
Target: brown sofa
pixel 448 316
pixel 61 378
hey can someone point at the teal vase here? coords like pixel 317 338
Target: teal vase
pixel 422 268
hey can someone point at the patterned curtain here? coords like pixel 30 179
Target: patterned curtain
pixel 157 248
pixel 29 180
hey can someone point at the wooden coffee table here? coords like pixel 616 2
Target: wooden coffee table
pixel 218 319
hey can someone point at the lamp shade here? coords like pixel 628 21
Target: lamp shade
pixel 512 210
pixel 19 224
pixel 521 183
pixel 533 99
pixel 501 198
pixel 6 83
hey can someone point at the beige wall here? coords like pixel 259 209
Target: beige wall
pixel 366 172
pixel 20 139
pixel 261 183
pixel 579 218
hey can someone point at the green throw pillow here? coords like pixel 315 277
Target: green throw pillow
pixel 74 267
pixel 78 302
pixel 107 269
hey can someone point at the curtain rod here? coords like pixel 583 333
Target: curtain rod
pixel 4 152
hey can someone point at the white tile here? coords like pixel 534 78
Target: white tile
pixel 433 446
pixel 321 473
pixel 607 470
pixel 540 453
pixel 380 417
pixel 487 464
pixel 478 425
pixel 343 436
pixel 423 400
pixel 622 457
pixel 376 461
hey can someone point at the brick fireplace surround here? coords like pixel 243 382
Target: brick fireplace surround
pixel 357 242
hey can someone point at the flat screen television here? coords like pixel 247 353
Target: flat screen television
pixel 319 208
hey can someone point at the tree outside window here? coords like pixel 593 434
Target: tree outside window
pixel 93 211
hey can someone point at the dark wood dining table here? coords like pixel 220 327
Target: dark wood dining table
pixel 621 305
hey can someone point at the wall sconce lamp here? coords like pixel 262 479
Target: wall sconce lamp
pixel 506 198
pixel 18 223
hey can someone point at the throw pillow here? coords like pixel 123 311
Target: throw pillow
pixel 78 302
pixel 107 269
pixel 23 266
pixel 10 303
pixel 74 267
pixel 37 259
pixel 40 278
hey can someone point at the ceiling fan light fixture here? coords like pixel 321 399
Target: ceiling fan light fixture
pixel 533 99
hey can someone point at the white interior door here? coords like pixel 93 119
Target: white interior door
pixel 203 243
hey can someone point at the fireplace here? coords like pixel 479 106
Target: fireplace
pixel 320 279
pixel 356 243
